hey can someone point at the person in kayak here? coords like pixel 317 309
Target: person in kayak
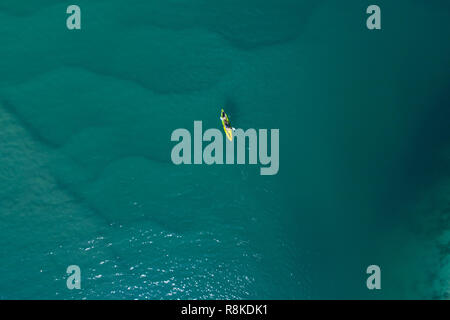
pixel 225 121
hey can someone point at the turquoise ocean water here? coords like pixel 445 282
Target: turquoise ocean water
pixel 85 171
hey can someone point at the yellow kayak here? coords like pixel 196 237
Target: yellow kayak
pixel 228 131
